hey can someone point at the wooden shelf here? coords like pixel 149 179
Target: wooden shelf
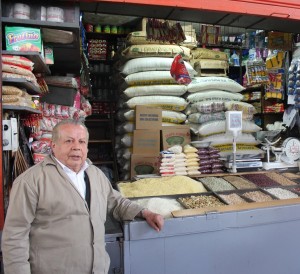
pixel 35 57
pixel 21 108
pixel 22 83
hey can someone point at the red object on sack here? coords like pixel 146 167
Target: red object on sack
pixel 179 71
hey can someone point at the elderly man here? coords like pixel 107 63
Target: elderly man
pixel 55 220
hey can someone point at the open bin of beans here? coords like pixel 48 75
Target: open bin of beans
pixel 281 193
pixel 216 184
pixel 161 186
pixel 261 180
pixel 239 182
pixel 232 198
pixel 280 179
pixel 258 196
pixel 201 201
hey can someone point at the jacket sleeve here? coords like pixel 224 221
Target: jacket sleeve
pixel 15 238
pixel 121 208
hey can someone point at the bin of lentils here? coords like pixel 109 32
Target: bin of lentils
pixel 260 180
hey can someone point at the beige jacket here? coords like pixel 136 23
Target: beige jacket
pixel 49 228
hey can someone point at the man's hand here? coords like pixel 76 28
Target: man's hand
pixel 156 221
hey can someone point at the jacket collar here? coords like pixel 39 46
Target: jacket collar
pixel 50 160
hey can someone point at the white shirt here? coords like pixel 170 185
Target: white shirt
pixel 76 178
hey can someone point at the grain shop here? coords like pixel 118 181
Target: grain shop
pixel 192 111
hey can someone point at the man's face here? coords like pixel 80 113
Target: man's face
pixel 71 147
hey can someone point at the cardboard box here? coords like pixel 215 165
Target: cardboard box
pixel 23 39
pixel 144 164
pixel 146 141
pixel 148 117
pixel 177 135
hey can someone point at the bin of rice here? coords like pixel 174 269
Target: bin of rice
pixel 161 186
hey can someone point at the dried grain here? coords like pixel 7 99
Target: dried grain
pixel 239 182
pixel 257 196
pixel 200 201
pixel 232 199
pixel 281 193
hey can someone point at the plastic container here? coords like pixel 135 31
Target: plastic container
pixel 235 59
pixel 55 14
pixel 98 28
pixel 21 11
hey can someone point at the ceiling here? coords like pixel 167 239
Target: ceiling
pixel 246 21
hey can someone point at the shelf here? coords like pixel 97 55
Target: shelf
pixel 21 108
pixel 22 83
pixel 102 162
pixel 104 120
pixel 35 57
pixel 39 23
pixel 96 35
pixel 100 141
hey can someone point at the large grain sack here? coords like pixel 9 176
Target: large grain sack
pixel 150 64
pixel 206 107
pixel 217 127
pixel 200 118
pixel 156 50
pixel 140 38
pixel 214 95
pixel 202 53
pixel 168 116
pixel 11 90
pixel 164 102
pixel 163 90
pixel 226 138
pixel 175 117
pixel 248 110
pixel 216 83
pixel 150 78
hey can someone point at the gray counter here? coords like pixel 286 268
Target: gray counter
pixel 257 241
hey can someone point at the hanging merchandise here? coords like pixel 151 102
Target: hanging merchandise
pixel 256 73
pixel 275 60
pixel 179 71
pixel 160 30
pixel 235 59
pixel 294 81
pixel 275 85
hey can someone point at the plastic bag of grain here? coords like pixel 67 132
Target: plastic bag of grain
pixel 152 64
pixel 162 77
pixel 216 83
pixel 172 90
pixel 164 102
pixel 126 140
pixel 125 128
pixel 214 95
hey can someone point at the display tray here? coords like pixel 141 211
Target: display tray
pixel 152 196
pixel 202 200
pixel 241 193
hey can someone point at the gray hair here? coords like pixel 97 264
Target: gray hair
pixel 55 132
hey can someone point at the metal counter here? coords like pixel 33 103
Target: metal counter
pixel 114 245
pixel 257 241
